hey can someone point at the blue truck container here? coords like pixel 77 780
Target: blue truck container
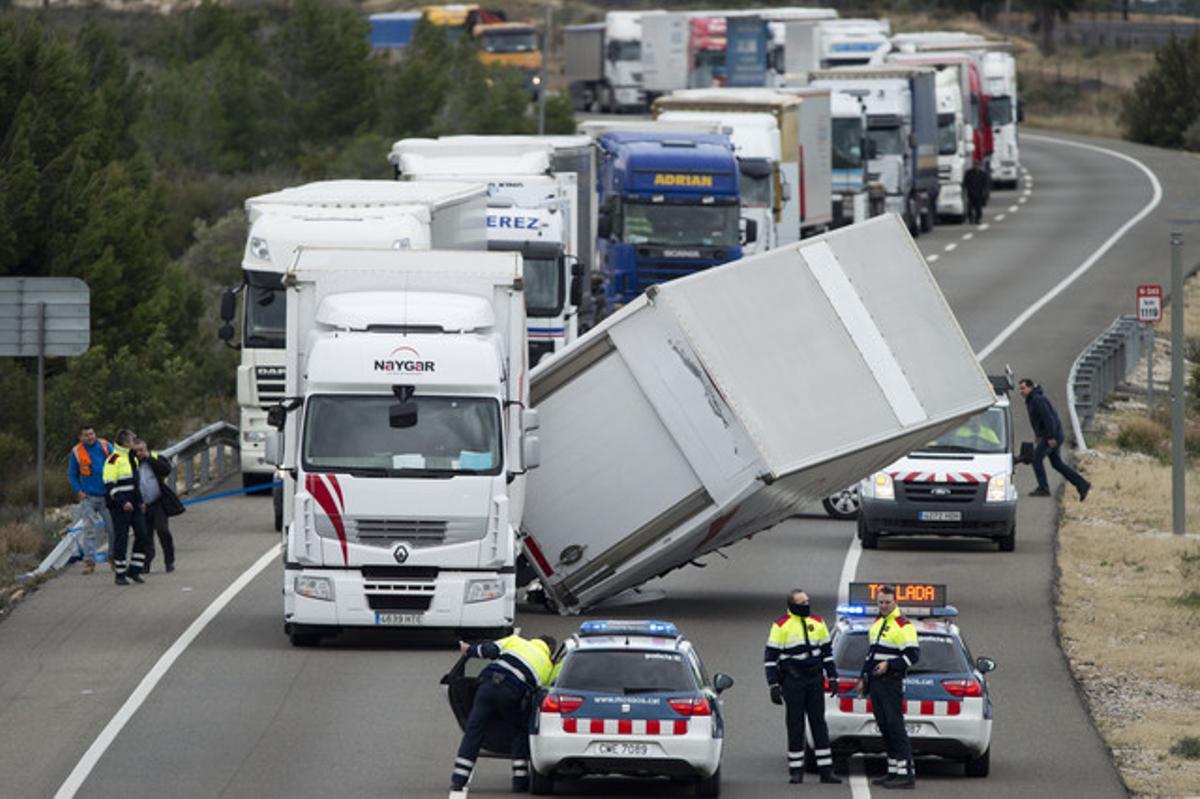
pixel 747 44
pixel 669 206
pixel 393 30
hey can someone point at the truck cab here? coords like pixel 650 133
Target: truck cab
pixel 512 44
pixel 854 198
pixel 669 207
pixel 1000 76
pixel 955 147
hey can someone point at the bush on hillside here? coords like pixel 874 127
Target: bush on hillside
pixel 1163 108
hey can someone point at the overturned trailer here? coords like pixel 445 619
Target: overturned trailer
pixel 712 407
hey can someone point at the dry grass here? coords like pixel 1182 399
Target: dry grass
pixel 21 546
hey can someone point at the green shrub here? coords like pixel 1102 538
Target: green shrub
pixel 1143 435
pixel 1187 747
pixel 1164 104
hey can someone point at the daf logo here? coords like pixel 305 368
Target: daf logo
pixel 400 553
pixel 940 492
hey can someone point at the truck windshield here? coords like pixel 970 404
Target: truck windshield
pixel 543 287
pixel 847 143
pixel 987 432
pixel 673 224
pixel 947 135
pixel 888 141
pixel 1000 110
pixel 265 318
pixel 625 50
pixel 510 42
pixel 452 436
pixel 756 186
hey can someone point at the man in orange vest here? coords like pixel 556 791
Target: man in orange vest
pixel 86 472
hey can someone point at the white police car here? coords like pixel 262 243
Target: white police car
pixel 630 698
pixel 947 706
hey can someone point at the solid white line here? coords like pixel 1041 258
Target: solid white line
pixel 950 247
pixel 1093 258
pixel 849 568
pixel 932 258
pixel 999 217
pixel 1013 209
pixel 92 756
pixel 968 236
pixel 859 787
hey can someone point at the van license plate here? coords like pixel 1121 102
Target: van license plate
pixel 398 619
pixel 623 750
pixel 941 516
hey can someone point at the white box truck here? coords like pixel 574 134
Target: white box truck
pixel 603 63
pixel 366 212
pixel 720 402
pixel 407 440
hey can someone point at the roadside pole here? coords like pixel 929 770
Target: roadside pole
pixel 41 412
pixel 545 62
pixel 1150 372
pixel 1178 399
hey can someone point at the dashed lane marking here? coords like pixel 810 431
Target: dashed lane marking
pixel 1013 209
pixel 932 258
pixel 1000 217
pixel 950 247
pixel 968 236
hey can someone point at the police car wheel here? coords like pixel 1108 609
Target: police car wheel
pixel 709 786
pixel 869 539
pixel 979 766
pixel 1008 543
pixel 540 784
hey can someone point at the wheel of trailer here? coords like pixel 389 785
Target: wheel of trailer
pixel 1008 542
pixel 842 505
pixel 540 784
pixel 709 786
pixel 869 539
pixel 277 501
pixel 926 216
pixel 910 217
pixel 979 766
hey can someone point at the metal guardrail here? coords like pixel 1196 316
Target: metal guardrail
pixel 1102 366
pixel 205 457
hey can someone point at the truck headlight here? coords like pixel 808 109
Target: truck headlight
pixel 998 488
pixel 881 486
pixel 484 590
pixel 259 248
pixel 254 436
pixel 315 588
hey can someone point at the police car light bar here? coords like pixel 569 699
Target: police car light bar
pixel 946 611
pixel 622 627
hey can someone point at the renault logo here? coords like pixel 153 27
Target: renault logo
pixel 400 553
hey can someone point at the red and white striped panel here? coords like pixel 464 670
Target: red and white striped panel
pixel 624 726
pixel 915 707
pixel 941 477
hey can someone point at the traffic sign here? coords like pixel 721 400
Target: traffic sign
pixel 52 311
pixel 1149 302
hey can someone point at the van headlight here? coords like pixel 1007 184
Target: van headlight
pixel 484 590
pixel 880 486
pixel 314 587
pixel 1000 489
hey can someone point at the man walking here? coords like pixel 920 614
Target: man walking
pixel 798 658
pixel 160 500
pixel 893 649
pixel 519 667
pixel 1048 435
pixel 976 187
pixel 125 505
pixel 85 471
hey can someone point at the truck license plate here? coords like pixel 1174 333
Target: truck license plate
pixel 623 750
pixel 398 619
pixel 941 516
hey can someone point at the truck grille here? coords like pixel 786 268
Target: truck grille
pixel 399 587
pixel 953 493
pixel 944 173
pixel 399 602
pixel 270 383
pixel 383 532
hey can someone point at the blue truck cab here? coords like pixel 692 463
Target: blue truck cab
pixel 669 206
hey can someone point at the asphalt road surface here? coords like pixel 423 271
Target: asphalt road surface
pixel 241 713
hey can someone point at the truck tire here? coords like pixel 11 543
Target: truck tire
pixel 302 638
pixel 979 766
pixel 1008 543
pixel 911 214
pixel 540 784
pixel 709 786
pixel 869 539
pixel 926 216
pixel 843 505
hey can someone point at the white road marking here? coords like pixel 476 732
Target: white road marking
pixel 968 236
pixel 1028 191
pixel 1023 200
pixel 950 247
pixel 111 730
pixel 1012 209
pixel 984 227
pixel 859 787
pixel 932 258
pixel 1000 217
pixel 849 568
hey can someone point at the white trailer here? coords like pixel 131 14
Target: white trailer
pixel 705 425
pixel 407 440
pixel 604 63
pixel 1004 111
pixel 367 212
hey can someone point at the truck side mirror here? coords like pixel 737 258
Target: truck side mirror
pixel 228 309
pixel 603 225
pixel 531 419
pixel 912 141
pixel 576 298
pixel 751 230
pixel 225 332
pixel 533 452
pixel 273 448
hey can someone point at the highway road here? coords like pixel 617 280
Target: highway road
pixel 234 711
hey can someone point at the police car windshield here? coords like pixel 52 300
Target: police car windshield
pixel 986 433
pixel 543 287
pixel 352 434
pixel 681 224
pixel 625 672
pixel 939 654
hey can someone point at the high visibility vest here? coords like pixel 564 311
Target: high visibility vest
pixel 892 637
pixel 798 641
pixel 120 477
pixel 84 459
pixel 529 661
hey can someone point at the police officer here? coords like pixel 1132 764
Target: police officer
pixel 125 506
pixel 892 650
pixel 798 656
pixel 519 667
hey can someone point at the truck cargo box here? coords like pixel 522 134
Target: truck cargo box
pixel 712 407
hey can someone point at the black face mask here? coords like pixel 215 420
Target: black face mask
pixel 799 610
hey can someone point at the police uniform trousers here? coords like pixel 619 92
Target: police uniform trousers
pixel 804 695
pixel 498 700
pixel 123 522
pixel 887 702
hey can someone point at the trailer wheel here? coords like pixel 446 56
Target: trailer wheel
pixel 910 217
pixel 926 216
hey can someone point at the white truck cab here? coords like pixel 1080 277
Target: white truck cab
pixel 955 145
pixel 1000 78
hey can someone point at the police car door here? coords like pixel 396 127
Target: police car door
pixel 462 681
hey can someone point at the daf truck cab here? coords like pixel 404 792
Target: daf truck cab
pixel 956 147
pixel 1004 110
pixel 531 209
pixel 327 213
pixel 406 440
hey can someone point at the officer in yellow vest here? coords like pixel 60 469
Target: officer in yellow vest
pixel 125 505
pixel 798 656
pixel 892 650
pixel 519 668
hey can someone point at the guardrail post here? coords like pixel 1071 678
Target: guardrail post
pixel 204 464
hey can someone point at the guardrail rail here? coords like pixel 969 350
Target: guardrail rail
pixel 1107 362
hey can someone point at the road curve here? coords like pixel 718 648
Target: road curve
pixel 241 713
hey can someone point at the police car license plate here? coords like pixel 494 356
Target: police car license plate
pixel 398 619
pixel 622 749
pixel 941 516
pixel 914 728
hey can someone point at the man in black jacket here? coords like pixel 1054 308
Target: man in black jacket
pixel 1048 433
pixel 161 502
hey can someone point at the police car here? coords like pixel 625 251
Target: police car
pixel 947 705
pixel 630 698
